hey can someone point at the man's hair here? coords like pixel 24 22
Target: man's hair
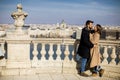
pixel 88 22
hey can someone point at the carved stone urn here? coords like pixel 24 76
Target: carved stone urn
pixel 19 17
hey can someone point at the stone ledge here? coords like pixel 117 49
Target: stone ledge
pixel 111 72
pixel 3 62
pixel 111 75
pixel 108 68
pixel 10 72
pixel 27 72
pixel 48 70
pixel 18 64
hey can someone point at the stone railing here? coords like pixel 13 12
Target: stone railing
pixel 55 55
pixel 111 58
pixel 49 55
pixel 111 53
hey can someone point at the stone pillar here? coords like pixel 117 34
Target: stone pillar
pixel 73 55
pixel 105 55
pixel 43 52
pixel 35 53
pixel 2 61
pixel 113 56
pixel 18 42
pixel 67 53
pixel 51 52
pixel 3 50
pixel 18 54
pixel 58 52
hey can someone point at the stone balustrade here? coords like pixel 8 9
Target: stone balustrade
pixel 111 52
pixel 52 55
pixel 51 59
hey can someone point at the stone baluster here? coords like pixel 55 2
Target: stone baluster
pixel 3 49
pixel 3 60
pixel 119 59
pixel 73 64
pixel 2 46
pixel 58 52
pixel 43 52
pixel 51 51
pixel 67 53
pixel 72 56
pixel 35 52
pixel 105 55
pixel 113 56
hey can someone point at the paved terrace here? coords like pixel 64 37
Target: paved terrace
pixel 54 77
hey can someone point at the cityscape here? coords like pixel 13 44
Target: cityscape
pixel 47 50
pixel 69 31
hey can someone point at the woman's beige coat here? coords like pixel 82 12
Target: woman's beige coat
pixel 95 54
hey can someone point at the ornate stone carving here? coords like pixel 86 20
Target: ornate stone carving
pixel 19 16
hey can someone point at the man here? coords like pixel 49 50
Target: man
pixel 85 46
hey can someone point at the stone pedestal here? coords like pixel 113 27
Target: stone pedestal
pixel 18 51
pixel 18 54
pixel 18 46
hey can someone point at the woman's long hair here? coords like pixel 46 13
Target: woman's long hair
pixel 99 28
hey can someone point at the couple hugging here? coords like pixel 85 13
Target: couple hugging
pixel 89 49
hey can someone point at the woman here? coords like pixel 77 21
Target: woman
pixel 95 54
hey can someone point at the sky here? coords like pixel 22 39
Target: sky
pixel 105 12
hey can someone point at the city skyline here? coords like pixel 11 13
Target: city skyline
pixel 71 11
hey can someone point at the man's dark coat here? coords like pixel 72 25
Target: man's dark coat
pixel 85 43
